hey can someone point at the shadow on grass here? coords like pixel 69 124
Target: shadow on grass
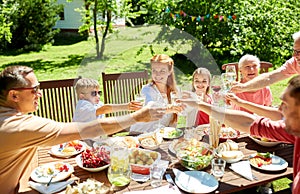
pixel 73 60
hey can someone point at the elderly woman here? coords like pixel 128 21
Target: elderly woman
pixel 249 68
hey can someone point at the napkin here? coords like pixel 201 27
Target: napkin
pixel 163 189
pixel 52 188
pixel 242 168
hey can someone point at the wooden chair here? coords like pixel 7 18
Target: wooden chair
pixel 264 67
pixel 121 88
pixel 58 101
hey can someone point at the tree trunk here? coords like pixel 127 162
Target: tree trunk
pixel 96 30
pixel 108 21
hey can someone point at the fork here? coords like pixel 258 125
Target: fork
pixel 52 176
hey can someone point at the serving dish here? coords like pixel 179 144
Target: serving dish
pixel 94 160
pixel 171 132
pixel 141 160
pixel 264 142
pixel 193 154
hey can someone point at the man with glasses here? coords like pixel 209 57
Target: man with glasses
pixel 21 134
pixel 291 67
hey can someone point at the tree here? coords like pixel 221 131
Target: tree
pixel 232 28
pixel 5 34
pixel 32 23
pixel 101 13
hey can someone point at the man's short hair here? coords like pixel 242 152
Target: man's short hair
pixel 294 88
pixel 13 77
pixel 246 58
pixel 296 36
pixel 85 83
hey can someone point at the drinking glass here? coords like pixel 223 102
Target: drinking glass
pixel 140 98
pixel 119 170
pixel 230 73
pixel 218 167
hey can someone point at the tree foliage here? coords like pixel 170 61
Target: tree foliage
pixel 261 27
pixel 31 23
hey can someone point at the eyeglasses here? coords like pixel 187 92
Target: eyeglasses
pixel 34 89
pixel 95 93
pixel 296 52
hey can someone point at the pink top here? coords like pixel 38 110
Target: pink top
pixel 262 96
pixel 275 130
pixel 202 117
pixel 290 67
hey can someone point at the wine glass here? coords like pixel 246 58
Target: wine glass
pixel 216 85
pixel 230 73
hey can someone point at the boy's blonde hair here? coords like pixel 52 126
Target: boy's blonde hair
pixel 84 84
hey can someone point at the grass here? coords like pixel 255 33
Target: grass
pixel 71 59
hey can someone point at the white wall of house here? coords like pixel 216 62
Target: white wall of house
pixel 72 18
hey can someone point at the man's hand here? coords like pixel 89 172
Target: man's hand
pixel 149 113
pixel 238 88
pixel 232 98
pixel 134 105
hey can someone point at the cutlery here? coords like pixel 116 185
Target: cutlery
pixel 172 183
pixel 52 176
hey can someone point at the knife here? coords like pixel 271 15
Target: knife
pixel 172 183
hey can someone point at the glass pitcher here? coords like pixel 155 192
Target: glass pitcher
pixel 119 171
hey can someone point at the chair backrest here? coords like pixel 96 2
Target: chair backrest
pixel 121 88
pixel 264 67
pixel 58 101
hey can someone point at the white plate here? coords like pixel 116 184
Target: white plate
pixel 233 160
pixel 79 163
pixel 202 182
pixel 265 143
pixel 167 130
pixel 40 174
pixel 57 150
pixel 278 164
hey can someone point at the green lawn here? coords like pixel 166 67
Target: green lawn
pixel 78 58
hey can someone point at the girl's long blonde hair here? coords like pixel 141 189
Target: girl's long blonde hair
pixel 203 71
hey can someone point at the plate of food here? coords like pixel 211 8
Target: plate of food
pixel 89 186
pixel 131 142
pixel 171 133
pixel 229 151
pixel 150 141
pixel 225 132
pixel 58 170
pixel 68 149
pixel 94 160
pixel 264 141
pixel 268 162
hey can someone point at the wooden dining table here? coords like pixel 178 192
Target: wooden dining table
pixel 229 183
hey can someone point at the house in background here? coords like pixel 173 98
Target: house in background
pixel 70 19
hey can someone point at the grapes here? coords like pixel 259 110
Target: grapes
pixel 95 157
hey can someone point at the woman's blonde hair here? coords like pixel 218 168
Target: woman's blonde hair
pixel 171 82
pixel 201 71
